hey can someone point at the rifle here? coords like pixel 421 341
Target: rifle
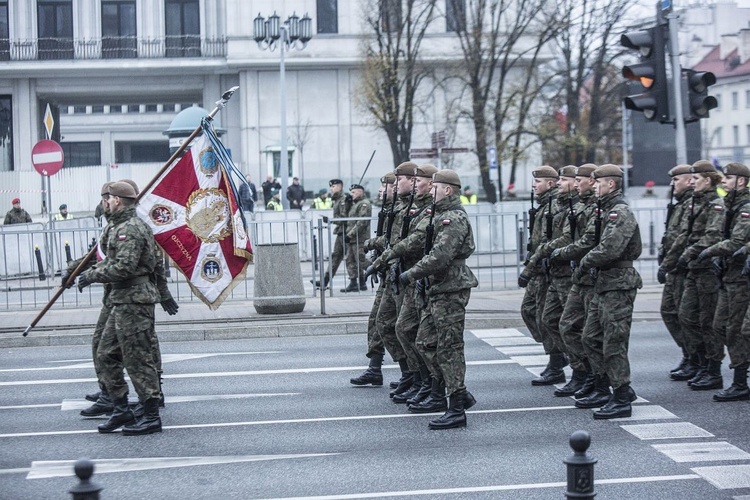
pixel 396 270
pixel 532 219
pixel 429 234
pixel 691 219
pixel 670 211
pixel 721 268
pixel 572 221
pixel 597 231
pixel 548 217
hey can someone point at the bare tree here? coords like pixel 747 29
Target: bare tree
pixel 392 68
pixel 300 136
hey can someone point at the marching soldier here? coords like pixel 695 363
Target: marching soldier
pixel 357 232
pixel 449 283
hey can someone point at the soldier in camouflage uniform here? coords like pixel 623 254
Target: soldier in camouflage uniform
pixel 357 232
pixel 674 281
pixel 533 277
pixel 375 347
pixel 606 334
pixel 734 296
pixel 441 328
pixel 701 229
pixel 341 206
pixel 582 287
pixel 128 333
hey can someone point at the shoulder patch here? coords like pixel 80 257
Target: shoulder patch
pixel 446 222
pixel 613 216
pixel 718 208
pixel 745 215
pixel 122 237
pixel 428 211
pixel 412 211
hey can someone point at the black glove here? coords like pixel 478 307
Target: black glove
pixel 703 255
pixel 746 267
pixel 82 282
pixel 523 280
pixel 545 265
pixel 403 278
pixel 170 306
pixel 420 287
pixel 741 252
pixel 682 264
pixel 661 275
pixel 347 240
pixel 64 277
pixel 371 269
pixel 555 255
pixel 660 257
pixel 717 266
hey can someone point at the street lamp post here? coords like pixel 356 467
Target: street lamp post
pixel 270 34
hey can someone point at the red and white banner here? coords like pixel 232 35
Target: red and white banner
pixel 193 212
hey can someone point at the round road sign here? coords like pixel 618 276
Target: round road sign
pixel 47 157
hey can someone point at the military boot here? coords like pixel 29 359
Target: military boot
pixel 405 381
pixel 619 405
pixel 712 378
pixel 149 423
pixel 161 392
pixel 700 362
pixel 102 406
pixel 576 383
pixel 362 283
pixel 555 374
pixel 469 399
pixel 404 397
pixel 121 415
pixel 435 401
pixel 455 416
pixel 425 389
pixel 738 391
pixel 352 287
pixel 373 375
pixel 588 386
pixel 683 362
pixel 93 396
pixel 689 369
pixel 317 283
pixel 600 396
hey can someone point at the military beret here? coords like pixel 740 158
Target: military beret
pixel 322 192
pixel 426 170
pixel 274 192
pixel 334 182
pixel 63 206
pixel 389 178
pixel 567 171
pixel 701 167
pixel 447 176
pixel 544 172
pixel 15 200
pixel 105 188
pixel 607 170
pixel 356 186
pixel 681 169
pixel 585 170
pixel 735 168
pixel 122 189
pixel 133 184
pixel 407 168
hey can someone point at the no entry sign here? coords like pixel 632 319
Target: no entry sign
pixel 47 157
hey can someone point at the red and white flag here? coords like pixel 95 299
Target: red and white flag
pixel 193 211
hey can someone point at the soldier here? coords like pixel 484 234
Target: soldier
pixel 16 215
pixel 128 333
pixel 449 283
pixel 733 295
pixel 355 236
pixel 674 281
pixel 582 287
pixel 535 280
pixel 606 333
pixel 341 205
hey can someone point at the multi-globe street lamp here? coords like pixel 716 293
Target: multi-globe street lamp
pixel 270 34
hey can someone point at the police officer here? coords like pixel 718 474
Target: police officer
pixel 357 232
pixel 322 201
pixel 606 333
pixel 274 204
pixel 440 336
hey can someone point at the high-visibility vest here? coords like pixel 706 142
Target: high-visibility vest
pixel 468 200
pixel 274 205
pixel 321 204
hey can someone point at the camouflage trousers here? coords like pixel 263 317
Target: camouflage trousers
pixel 96 338
pixel 729 324
pixel 606 334
pixel 386 322
pixel 671 297
pixel 374 342
pixel 356 261
pixel 571 324
pixel 336 256
pixel 532 308
pixel 697 308
pixel 557 296
pixel 407 326
pixel 440 338
pixel 127 342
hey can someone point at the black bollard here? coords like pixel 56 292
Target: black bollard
pixel 580 468
pixel 68 256
pixel 39 264
pixel 85 490
pixel 315 251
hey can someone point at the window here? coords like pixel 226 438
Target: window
pixel 747 133
pixel 328 16
pixel 97 108
pixel 736 135
pixel 81 154
pixel 455 15
pixel 6 133
pixel 747 98
pixel 735 100
pixel 118 29
pixel 390 15
pixel 718 134
pixel 134 108
pixel 718 102
pixel 115 108
pixel 79 110
pixel 141 152
pixel 55 28
pixel 183 28
pixel 4 33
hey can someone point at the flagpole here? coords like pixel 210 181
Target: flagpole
pixel 219 105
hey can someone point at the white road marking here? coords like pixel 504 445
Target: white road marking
pixel 673 430
pixel 79 404
pixel 64 468
pixel 524 349
pixel 25 407
pixel 497 332
pixel 702 452
pixel 531 360
pixel 651 412
pixel 503 341
pixel 725 477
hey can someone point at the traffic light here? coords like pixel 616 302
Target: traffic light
pixel 699 102
pixel 651 72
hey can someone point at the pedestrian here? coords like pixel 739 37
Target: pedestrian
pixel 468 197
pixel 248 194
pixel 322 201
pixel 17 215
pixel 268 186
pixel 295 195
pixel 63 214
pixel 448 281
pixel 357 232
pixel 606 334
pixel 274 204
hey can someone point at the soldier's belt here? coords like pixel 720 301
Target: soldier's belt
pixel 458 262
pixel 623 264
pixel 120 285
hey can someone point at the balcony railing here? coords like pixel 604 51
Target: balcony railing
pixel 45 49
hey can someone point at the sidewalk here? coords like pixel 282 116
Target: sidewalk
pixel 345 314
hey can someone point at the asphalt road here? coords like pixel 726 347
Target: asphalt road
pixel 277 418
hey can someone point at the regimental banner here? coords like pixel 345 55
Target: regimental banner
pixel 193 211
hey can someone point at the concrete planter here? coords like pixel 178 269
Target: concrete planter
pixel 278 279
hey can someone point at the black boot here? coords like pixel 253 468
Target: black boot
pixel 738 391
pixel 455 416
pixel 425 389
pixel 619 405
pixel 469 400
pixel 588 386
pixel 317 283
pixel 353 287
pixel 405 381
pixel 689 369
pixel 373 375
pixel 577 380
pixel 93 396
pixel 599 396
pixel 683 362
pixel 435 401
pixel 149 423
pixel 121 415
pixel 404 397
pixel 701 363
pixel 362 283
pixel 102 406
pixel 712 378
pixel 555 373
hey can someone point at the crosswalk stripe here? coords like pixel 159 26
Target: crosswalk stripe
pixel 702 452
pixel 725 477
pixel 672 430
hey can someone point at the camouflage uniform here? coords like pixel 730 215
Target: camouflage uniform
pixel 128 333
pixel 340 211
pixel 357 232
pixel 17 216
